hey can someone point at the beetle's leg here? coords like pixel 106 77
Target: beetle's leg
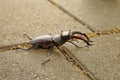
pixel 48 56
pixel 37 46
pixel 75 44
pixel 27 36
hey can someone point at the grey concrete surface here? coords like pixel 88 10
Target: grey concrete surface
pixel 103 58
pixel 99 14
pixel 34 18
pixel 26 65
pixel 38 17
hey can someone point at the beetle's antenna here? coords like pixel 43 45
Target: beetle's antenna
pixel 74 27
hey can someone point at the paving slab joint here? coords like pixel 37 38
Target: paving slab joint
pixel 77 63
pixel 72 15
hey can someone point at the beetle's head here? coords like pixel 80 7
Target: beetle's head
pixel 66 34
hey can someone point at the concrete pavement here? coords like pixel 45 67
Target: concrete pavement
pixel 39 17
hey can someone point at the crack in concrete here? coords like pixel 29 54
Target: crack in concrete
pixel 106 32
pixel 24 46
pixel 71 15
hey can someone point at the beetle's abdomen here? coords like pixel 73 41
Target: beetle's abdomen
pixel 44 41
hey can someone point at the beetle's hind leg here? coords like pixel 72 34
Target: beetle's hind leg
pixel 25 35
pixel 48 56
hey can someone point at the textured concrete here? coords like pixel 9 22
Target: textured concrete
pixel 99 14
pixel 26 65
pixel 103 58
pixel 34 18
pixel 38 17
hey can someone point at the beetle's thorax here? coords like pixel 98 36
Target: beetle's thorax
pixel 61 38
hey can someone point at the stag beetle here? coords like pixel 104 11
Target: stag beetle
pixel 49 41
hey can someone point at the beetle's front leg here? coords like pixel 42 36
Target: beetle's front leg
pixel 75 44
pixel 48 56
